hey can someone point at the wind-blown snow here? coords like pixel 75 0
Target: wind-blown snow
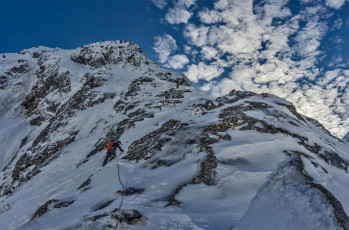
pixel 193 169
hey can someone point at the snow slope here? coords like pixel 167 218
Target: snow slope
pixel 191 161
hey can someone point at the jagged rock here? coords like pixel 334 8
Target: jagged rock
pixel 86 183
pixel 26 160
pixel 147 146
pixel 207 173
pixel 36 55
pixel 131 191
pixel 3 81
pixel 118 94
pixel 339 211
pixel 63 204
pixel 50 80
pixel 85 97
pixel 294 111
pixel 172 94
pixel 131 216
pixel 134 87
pixel 209 104
pixel 172 201
pixel 183 81
pixel 115 52
pixel 42 210
pixel 119 106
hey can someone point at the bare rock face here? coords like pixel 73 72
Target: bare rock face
pixel 134 87
pixel 177 141
pixel 85 97
pixel 49 81
pixel 147 146
pixel 105 53
pixel 50 206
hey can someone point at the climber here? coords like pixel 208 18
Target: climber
pixel 111 151
pixel 177 83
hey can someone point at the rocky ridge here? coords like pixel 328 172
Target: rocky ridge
pixel 178 142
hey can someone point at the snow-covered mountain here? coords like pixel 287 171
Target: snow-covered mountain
pixel 346 137
pixel 242 161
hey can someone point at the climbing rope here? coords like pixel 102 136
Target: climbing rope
pixel 122 193
pixel 176 111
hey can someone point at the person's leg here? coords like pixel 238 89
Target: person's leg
pixel 112 155
pixel 106 158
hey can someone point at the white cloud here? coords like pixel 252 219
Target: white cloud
pixel 187 49
pixel 186 3
pixel 267 49
pixel 178 15
pixel 209 17
pixel 309 38
pixel 208 53
pixel 164 46
pixel 196 35
pixel 221 4
pixel 203 71
pixel 337 24
pixel 336 4
pixel 160 3
pixel 208 86
pixel 177 61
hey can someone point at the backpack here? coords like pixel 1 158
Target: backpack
pixel 110 145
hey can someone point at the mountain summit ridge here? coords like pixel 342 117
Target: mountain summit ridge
pixel 191 161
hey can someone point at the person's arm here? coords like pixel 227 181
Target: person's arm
pixel 120 148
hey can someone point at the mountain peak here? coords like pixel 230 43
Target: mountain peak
pixel 201 162
pixel 110 52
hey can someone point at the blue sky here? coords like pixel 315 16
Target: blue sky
pixel 70 24
pixel 296 49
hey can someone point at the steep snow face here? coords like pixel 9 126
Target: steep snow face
pixel 346 137
pixel 190 161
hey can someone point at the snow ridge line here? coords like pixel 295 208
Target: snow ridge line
pixel 338 209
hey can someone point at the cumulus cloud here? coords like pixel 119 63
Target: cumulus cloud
pixel 164 46
pixel 186 3
pixel 196 35
pixel 203 71
pixel 335 4
pixel 309 38
pixel 180 13
pixel 265 47
pixel 209 17
pixel 160 3
pixel 177 15
pixel 177 61
pixel 208 53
